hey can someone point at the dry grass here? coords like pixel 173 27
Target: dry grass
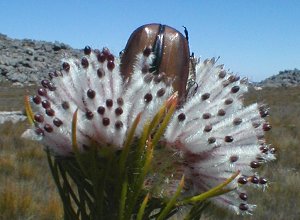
pixel 27 190
pixel 26 187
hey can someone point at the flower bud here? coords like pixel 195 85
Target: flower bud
pixel 171 52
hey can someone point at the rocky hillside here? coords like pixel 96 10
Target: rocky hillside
pixel 285 78
pixel 26 61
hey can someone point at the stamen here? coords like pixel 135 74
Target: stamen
pixel 57 122
pixel 36 99
pixel 101 110
pixel 42 92
pixel 39 118
pixel 100 73
pixel 46 104
pixel 148 98
pixel 65 105
pixel 228 139
pixel 109 103
pixel 87 50
pixel 206 115
pixel 221 112
pixel 91 93
pixel 48 128
pixel 66 66
pixel 50 112
pixel 181 117
pixel 160 92
pixel 84 62
pixel 105 121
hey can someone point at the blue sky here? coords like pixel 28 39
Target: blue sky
pixel 254 38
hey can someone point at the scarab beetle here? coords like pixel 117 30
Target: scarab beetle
pixel 171 50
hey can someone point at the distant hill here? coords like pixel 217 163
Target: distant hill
pixel 286 78
pixel 28 61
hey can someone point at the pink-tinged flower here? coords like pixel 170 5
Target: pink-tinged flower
pixel 213 132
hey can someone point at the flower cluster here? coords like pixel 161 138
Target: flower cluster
pixel 214 134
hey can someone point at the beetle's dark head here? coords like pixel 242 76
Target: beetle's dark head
pixel 171 52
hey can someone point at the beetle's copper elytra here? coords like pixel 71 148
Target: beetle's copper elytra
pixel 171 51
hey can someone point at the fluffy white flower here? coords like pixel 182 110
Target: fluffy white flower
pixel 218 136
pixel 213 131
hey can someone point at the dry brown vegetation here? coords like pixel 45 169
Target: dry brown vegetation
pixel 27 190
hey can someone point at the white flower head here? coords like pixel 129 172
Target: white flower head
pixel 215 134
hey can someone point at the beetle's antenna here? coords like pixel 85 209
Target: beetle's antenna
pixel 186 33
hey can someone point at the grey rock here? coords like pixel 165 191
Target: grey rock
pixel 29 61
pixel 286 78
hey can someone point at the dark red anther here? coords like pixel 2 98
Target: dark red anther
pixel 161 92
pixel 237 121
pixel 105 121
pixel 272 150
pixel 205 96
pixel 87 50
pixel 48 128
pixel 39 131
pixel 120 101
pixel 51 75
pixel 264 149
pixel 50 112
pixel 243 196
pixel 110 57
pixel 119 111
pixel 267 127
pixel 51 86
pixel 206 116
pixel 101 57
pixel 84 62
pixel 263 180
pixel 65 105
pixel 39 118
pixel 101 110
pixel 46 104
pixel 243 207
pixel 105 52
pixel 109 103
pixel 100 73
pixel 234 158
pixel 45 83
pixel 211 140
pixel 110 65
pixel 263 111
pixel 148 97
pixel 242 180
pixel 254 179
pixel 91 93
pixel 171 52
pixel 181 117
pixel 207 128
pixel 118 124
pixel 221 112
pixel 235 89
pixel 57 122
pixel 37 99
pixel 89 114
pixel 254 164
pixel 222 74
pixel 42 91
pixel 66 66
pixel 228 101
pixel 228 139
